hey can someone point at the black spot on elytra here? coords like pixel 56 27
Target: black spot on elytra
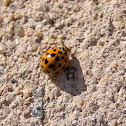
pixel 68 49
pixel 63 67
pixel 65 53
pixel 65 60
pixel 57 58
pixel 53 54
pixel 59 52
pixel 47 54
pixel 59 64
pixel 59 47
pixel 56 72
pixel 62 57
pixel 47 71
pixel 51 66
pixel 54 49
pixel 63 48
pixel 46 61
pixel 42 66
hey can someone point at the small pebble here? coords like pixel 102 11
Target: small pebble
pixel 17 41
pixel 5 76
pixel 100 16
pixel 20 100
pixel 114 65
pixel 6 2
pixel 20 60
pixel 19 112
pixel 117 105
pixel 62 36
pixel 59 100
pixel 56 91
pixel 27 113
pixel 87 32
pixel 47 90
pixel 9 30
pixel 26 93
pixel 45 98
pixel 74 106
pixel 3 99
pixel 4 122
pixel 75 114
pixel 10 97
pixel 34 47
pixel 17 15
pixel 73 50
pixel 38 34
pixel 29 32
pixel 21 86
pixel 11 16
pixel 95 107
pixel 81 103
pixel 16 91
pixel 8 111
pixel 65 98
pixel 26 103
pixel 52 115
pixel 14 105
pixel 19 31
pixel 3 90
pixel 29 99
pixel 10 87
pixel 59 25
pixel 11 25
pixel 46 40
pixel 120 93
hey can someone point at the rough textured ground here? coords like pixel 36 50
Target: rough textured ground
pixel 92 92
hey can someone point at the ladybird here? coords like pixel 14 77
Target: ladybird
pixel 55 60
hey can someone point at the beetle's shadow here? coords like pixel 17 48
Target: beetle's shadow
pixel 72 80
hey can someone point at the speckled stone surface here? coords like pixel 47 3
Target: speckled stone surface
pixel 92 91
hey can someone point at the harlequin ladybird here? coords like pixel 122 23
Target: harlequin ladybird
pixel 55 60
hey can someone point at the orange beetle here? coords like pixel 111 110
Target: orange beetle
pixel 55 60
